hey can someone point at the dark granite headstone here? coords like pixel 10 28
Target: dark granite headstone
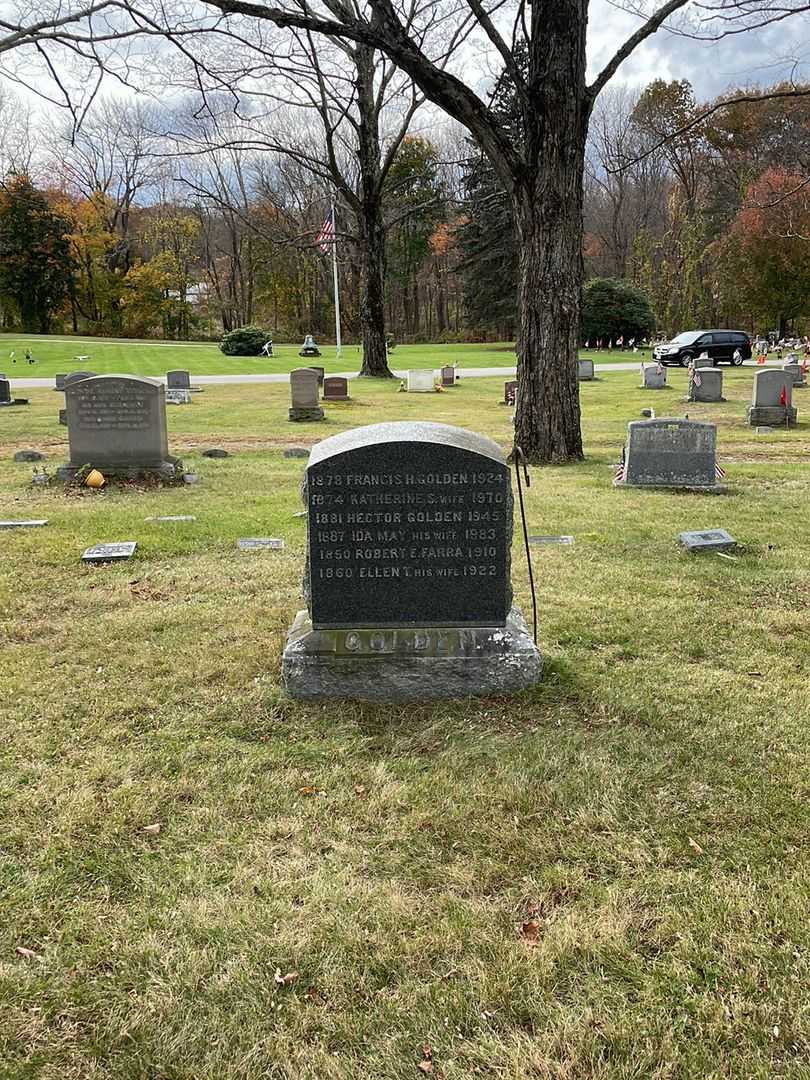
pixel 59 382
pixel 5 392
pixel 335 388
pixel 117 424
pixel 448 374
pixel 709 540
pixel 409 529
pixel 509 392
pixel 178 380
pixel 215 452
pixel 670 453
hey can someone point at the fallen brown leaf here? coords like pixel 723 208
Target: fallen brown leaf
pixel 285 980
pixel 307 791
pixel 153 830
pixel 694 845
pixel 531 930
pixel 426 1064
pixel 29 954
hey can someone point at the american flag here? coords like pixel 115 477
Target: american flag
pixel 618 474
pixel 695 377
pixel 719 471
pixel 326 236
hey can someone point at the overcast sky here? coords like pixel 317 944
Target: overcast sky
pixel 758 56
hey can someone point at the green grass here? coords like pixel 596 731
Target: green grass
pixel 645 806
pixel 108 356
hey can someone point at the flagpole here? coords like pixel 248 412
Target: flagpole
pixel 335 280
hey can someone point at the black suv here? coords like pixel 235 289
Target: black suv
pixel 719 344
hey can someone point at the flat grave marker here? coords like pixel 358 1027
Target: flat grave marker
pixel 565 540
pixel 258 543
pixel 117 552
pixel 708 540
pixel 33 523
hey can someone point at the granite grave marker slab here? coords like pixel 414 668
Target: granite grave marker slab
pixel 794 371
pixel 654 377
pixel 408 569
pixel 586 370
pixel 178 380
pixel 117 552
pixel 420 381
pixel 335 388
pixel 706 385
pixel 258 543
pixel 305 404
pixel 771 399
pixel 33 523
pixel 117 424
pixel 448 375
pixel 670 453
pixel 709 540
pixel 510 392
pixel 178 397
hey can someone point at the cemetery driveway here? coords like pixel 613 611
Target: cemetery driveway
pixel 284 376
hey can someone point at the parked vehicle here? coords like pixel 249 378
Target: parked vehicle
pixel 721 346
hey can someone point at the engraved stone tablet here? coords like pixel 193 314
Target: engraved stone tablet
pixel 706 385
pixel 335 388
pixel 653 377
pixel 566 540
pixel 178 397
pixel 253 543
pixel 173 517
pixel 585 370
pixel 110 552
pixel 33 524
pixel 117 423
pixel 710 540
pixel 448 374
pixel 670 453
pixel 509 392
pixel 178 380
pixel 409 523
pixel 420 381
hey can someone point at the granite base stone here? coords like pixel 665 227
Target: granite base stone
pixel 166 470
pixel 411 663
pixel 298 414
pixel 774 415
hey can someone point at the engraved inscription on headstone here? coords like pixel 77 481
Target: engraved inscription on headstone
pixel 414 529
pixel 178 397
pixel 670 453
pixel 118 422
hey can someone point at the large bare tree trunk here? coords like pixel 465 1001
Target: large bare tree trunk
pixel 372 293
pixel 547 205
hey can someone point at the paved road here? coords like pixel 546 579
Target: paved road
pixel 283 376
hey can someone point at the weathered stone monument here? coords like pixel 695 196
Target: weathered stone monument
pixel 771 400
pixel 304 395
pixel 705 385
pixel 586 372
pixel 654 377
pixel 76 376
pixel 670 453
pixel 59 382
pixel 407 582
pixel 5 395
pixel 178 380
pixel 509 392
pixel 335 388
pixel 448 375
pixel 117 424
pixel 320 373
pixel 177 397
pixel 309 348
pixel 795 372
pixel 420 381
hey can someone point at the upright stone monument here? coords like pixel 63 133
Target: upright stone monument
pixel 654 377
pixel 771 400
pixel 309 348
pixel 335 388
pixel 586 372
pixel 705 385
pixel 408 588
pixel 420 381
pixel 320 372
pixel 304 395
pixel 117 424
pixel 670 453
pixel 448 375
pixel 59 382
pixel 178 380
pixel 509 392
pixel 796 373
pixel 6 400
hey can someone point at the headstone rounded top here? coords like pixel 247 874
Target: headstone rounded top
pixel 405 431
pixel 130 380
pixel 668 421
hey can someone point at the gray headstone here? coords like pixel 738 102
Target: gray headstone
pixel 110 552
pixel 335 388
pixel 32 524
pixel 795 373
pixel 564 540
pixel 5 392
pixel 59 381
pixel 29 455
pixel 76 376
pixel 586 371
pixel 118 423
pixel 671 453
pixel 409 532
pixel 420 381
pixel 320 372
pixel 254 543
pixel 706 385
pixel 704 362
pixel 215 452
pixel 178 380
pixel 448 373
pixel 296 452
pixel 767 393
pixel 409 523
pixel 305 404
pixel 510 392
pixel 710 540
pixel 655 378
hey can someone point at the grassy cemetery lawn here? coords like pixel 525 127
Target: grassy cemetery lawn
pixel 105 356
pixel 607 876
